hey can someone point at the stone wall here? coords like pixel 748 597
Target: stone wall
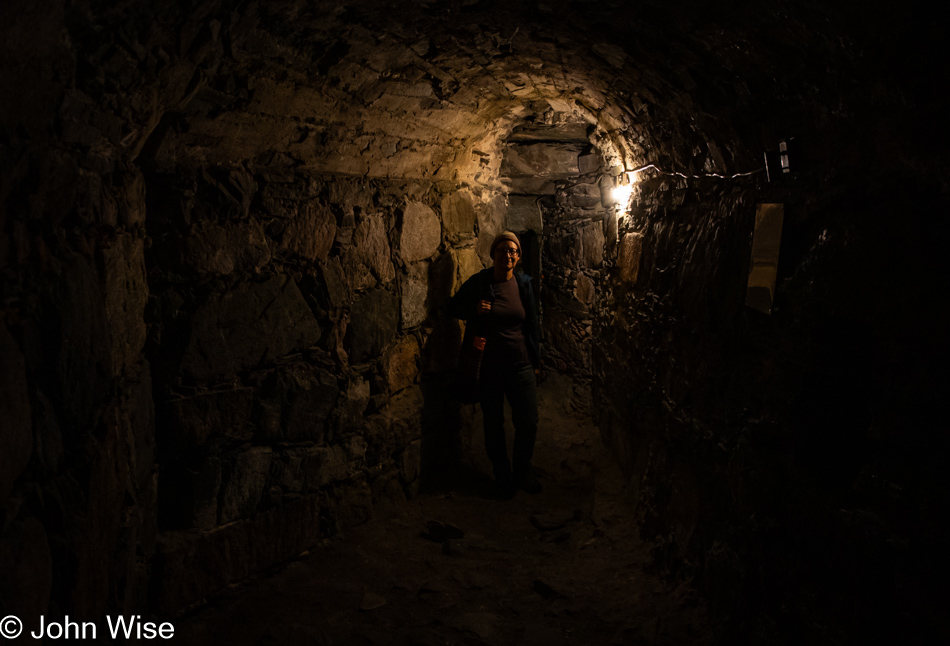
pixel 788 462
pixel 220 274
pixel 291 316
pixel 286 313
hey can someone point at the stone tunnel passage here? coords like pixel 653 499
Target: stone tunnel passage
pixel 227 231
pixel 453 566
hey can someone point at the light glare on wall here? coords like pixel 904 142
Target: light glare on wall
pixel 621 194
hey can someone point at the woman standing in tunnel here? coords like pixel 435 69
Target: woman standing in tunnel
pixel 499 304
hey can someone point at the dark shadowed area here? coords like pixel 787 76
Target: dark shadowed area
pixel 228 231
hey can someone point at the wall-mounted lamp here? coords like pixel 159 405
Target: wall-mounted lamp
pixel 783 162
pixel 621 195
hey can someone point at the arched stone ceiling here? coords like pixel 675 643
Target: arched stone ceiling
pixel 428 90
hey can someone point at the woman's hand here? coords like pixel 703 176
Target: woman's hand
pixel 483 307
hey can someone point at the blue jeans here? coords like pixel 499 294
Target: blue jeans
pixel 518 384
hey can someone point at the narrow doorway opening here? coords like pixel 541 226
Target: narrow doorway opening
pixel 559 203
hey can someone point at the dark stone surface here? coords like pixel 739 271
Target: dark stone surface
pixel 541 160
pixel 210 248
pixel 311 233
pixel 192 565
pixel 821 422
pixel 126 292
pixel 294 403
pixel 222 414
pixel 309 469
pixel 373 323
pixel 244 477
pixel 26 569
pixel 254 323
pixel 335 281
pixel 17 438
pixel 76 350
pixel 421 232
pixel 458 216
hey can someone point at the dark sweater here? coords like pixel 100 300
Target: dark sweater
pixel 479 287
pixel 506 344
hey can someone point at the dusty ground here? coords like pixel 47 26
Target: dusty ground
pixel 561 567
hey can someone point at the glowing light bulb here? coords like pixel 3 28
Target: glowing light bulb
pixel 621 194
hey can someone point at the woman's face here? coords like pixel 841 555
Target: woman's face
pixel 506 255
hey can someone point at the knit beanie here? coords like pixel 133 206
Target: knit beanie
pixel 501 237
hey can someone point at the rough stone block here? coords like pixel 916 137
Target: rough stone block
pixel 126 292
pixel 572 131
pixel 540 160
pixel 531 185
pixel 193 420
pixel 311 234
pixel 562 338
pixel 415 289
pixel 309 397
pixel 137 411
pixel 351 503
pixel 369 259
pixel 236 187
pixel 491 222
pixel 338 290
pixel 16 440
pixel 458 215
pixel 221 250
pixel 613 54
pixel 104 510
pixel 402 364
pixel 410 462
pixel 421 232
pixel 586 196
pixel 294 403
pixel 467 264
pixel 373 323
pixel 354 404
pixel 130 197
pixel 591 238
pixel 252 323
pixel 205 484
pixel 192 565
pixel 80 348
pixel 588 163
pixel 572 306
pixel 631 246
pixel 403 415
pixel 242 489
pixel 308 469
pixel 441 279
pixel 584 289
pixel 523 214
pixel 351 193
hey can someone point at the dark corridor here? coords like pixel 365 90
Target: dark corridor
pixel 228 232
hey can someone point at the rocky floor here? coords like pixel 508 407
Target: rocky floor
pixel 453 566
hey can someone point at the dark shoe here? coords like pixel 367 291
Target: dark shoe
pixel 528 483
